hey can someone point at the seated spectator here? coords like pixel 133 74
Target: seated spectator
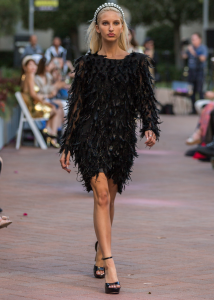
pixel 200 104
pixel 33 48
pixel 1 163
pixel 199 136
pixel 59 54
pixel 47 88
pixel 38 107
pixel 4 221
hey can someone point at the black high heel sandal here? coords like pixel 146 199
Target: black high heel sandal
pixel 111 290
pixel 46 134
pixel 96 268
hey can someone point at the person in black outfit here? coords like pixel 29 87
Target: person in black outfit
pixel 196 54
pixel 111 89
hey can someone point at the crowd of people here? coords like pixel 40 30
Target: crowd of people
pixel 46 78
pixel 45 81
pixel 147 48
pixel 196 54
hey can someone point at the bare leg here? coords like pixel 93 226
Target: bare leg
pixel 55 122
pixel 58 102
pixel 102 223
pixel 49 122
pixel 209 95
pixel 113 191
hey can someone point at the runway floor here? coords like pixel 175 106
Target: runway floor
pixel 163 234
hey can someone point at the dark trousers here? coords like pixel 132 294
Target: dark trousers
pixel 196 78
pixel 210 129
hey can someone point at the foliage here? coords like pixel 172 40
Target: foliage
pixel 10 73
pixel 6 58
pixel 9 15
pixel 7 99
pixel 173 12
pixel 163 36
pixel 169 72
pixel 67 18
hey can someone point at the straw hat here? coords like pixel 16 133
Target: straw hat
pixel 26 59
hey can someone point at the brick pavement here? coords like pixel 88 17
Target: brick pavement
pixel 163 235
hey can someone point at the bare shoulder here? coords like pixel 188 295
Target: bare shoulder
pixel 30 77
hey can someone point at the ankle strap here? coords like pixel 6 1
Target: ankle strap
pixel 107 258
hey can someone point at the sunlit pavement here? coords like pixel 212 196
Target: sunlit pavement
pixel 163 236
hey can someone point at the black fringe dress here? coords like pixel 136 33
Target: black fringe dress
pixel 105 99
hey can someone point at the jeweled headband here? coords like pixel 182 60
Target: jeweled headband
pixel 107 5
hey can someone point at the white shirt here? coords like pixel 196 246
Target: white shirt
pixel 51 52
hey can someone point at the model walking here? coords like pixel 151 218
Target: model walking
pixel 111 89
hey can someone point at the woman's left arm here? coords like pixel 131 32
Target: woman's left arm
pixel 146 104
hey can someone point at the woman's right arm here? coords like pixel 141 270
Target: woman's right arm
pixel 31 84
pixel 75 101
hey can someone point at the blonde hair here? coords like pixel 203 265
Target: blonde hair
pixel 95 39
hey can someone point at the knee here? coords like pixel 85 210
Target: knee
pixel 53 110
pixel 209 95
pixel 103 198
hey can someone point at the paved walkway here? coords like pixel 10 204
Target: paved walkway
pixel 163 236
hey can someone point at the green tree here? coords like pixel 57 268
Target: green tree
pixel 172 12
pixel 66 19
pixel 163 36
pixel 9 15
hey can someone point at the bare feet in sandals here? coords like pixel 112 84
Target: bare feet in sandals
pixel 4 221
pixel 99 271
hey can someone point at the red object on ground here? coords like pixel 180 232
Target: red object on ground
pixel 198 155
pixel 24 214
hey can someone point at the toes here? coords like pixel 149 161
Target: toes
pixel 100 272
pixel 114 286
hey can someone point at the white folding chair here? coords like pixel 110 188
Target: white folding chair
pixel 26 117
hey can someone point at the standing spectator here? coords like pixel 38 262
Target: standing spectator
pixel 132 43
pixel 59 54
pixel 56 51
pixel 149 49
pixel 196 54
pixel 33 48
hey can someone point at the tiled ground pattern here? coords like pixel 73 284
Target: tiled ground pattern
pixel 163 234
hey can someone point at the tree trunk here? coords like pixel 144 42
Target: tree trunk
pixel 177 46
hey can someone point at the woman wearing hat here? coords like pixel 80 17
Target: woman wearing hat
pixel 36 103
